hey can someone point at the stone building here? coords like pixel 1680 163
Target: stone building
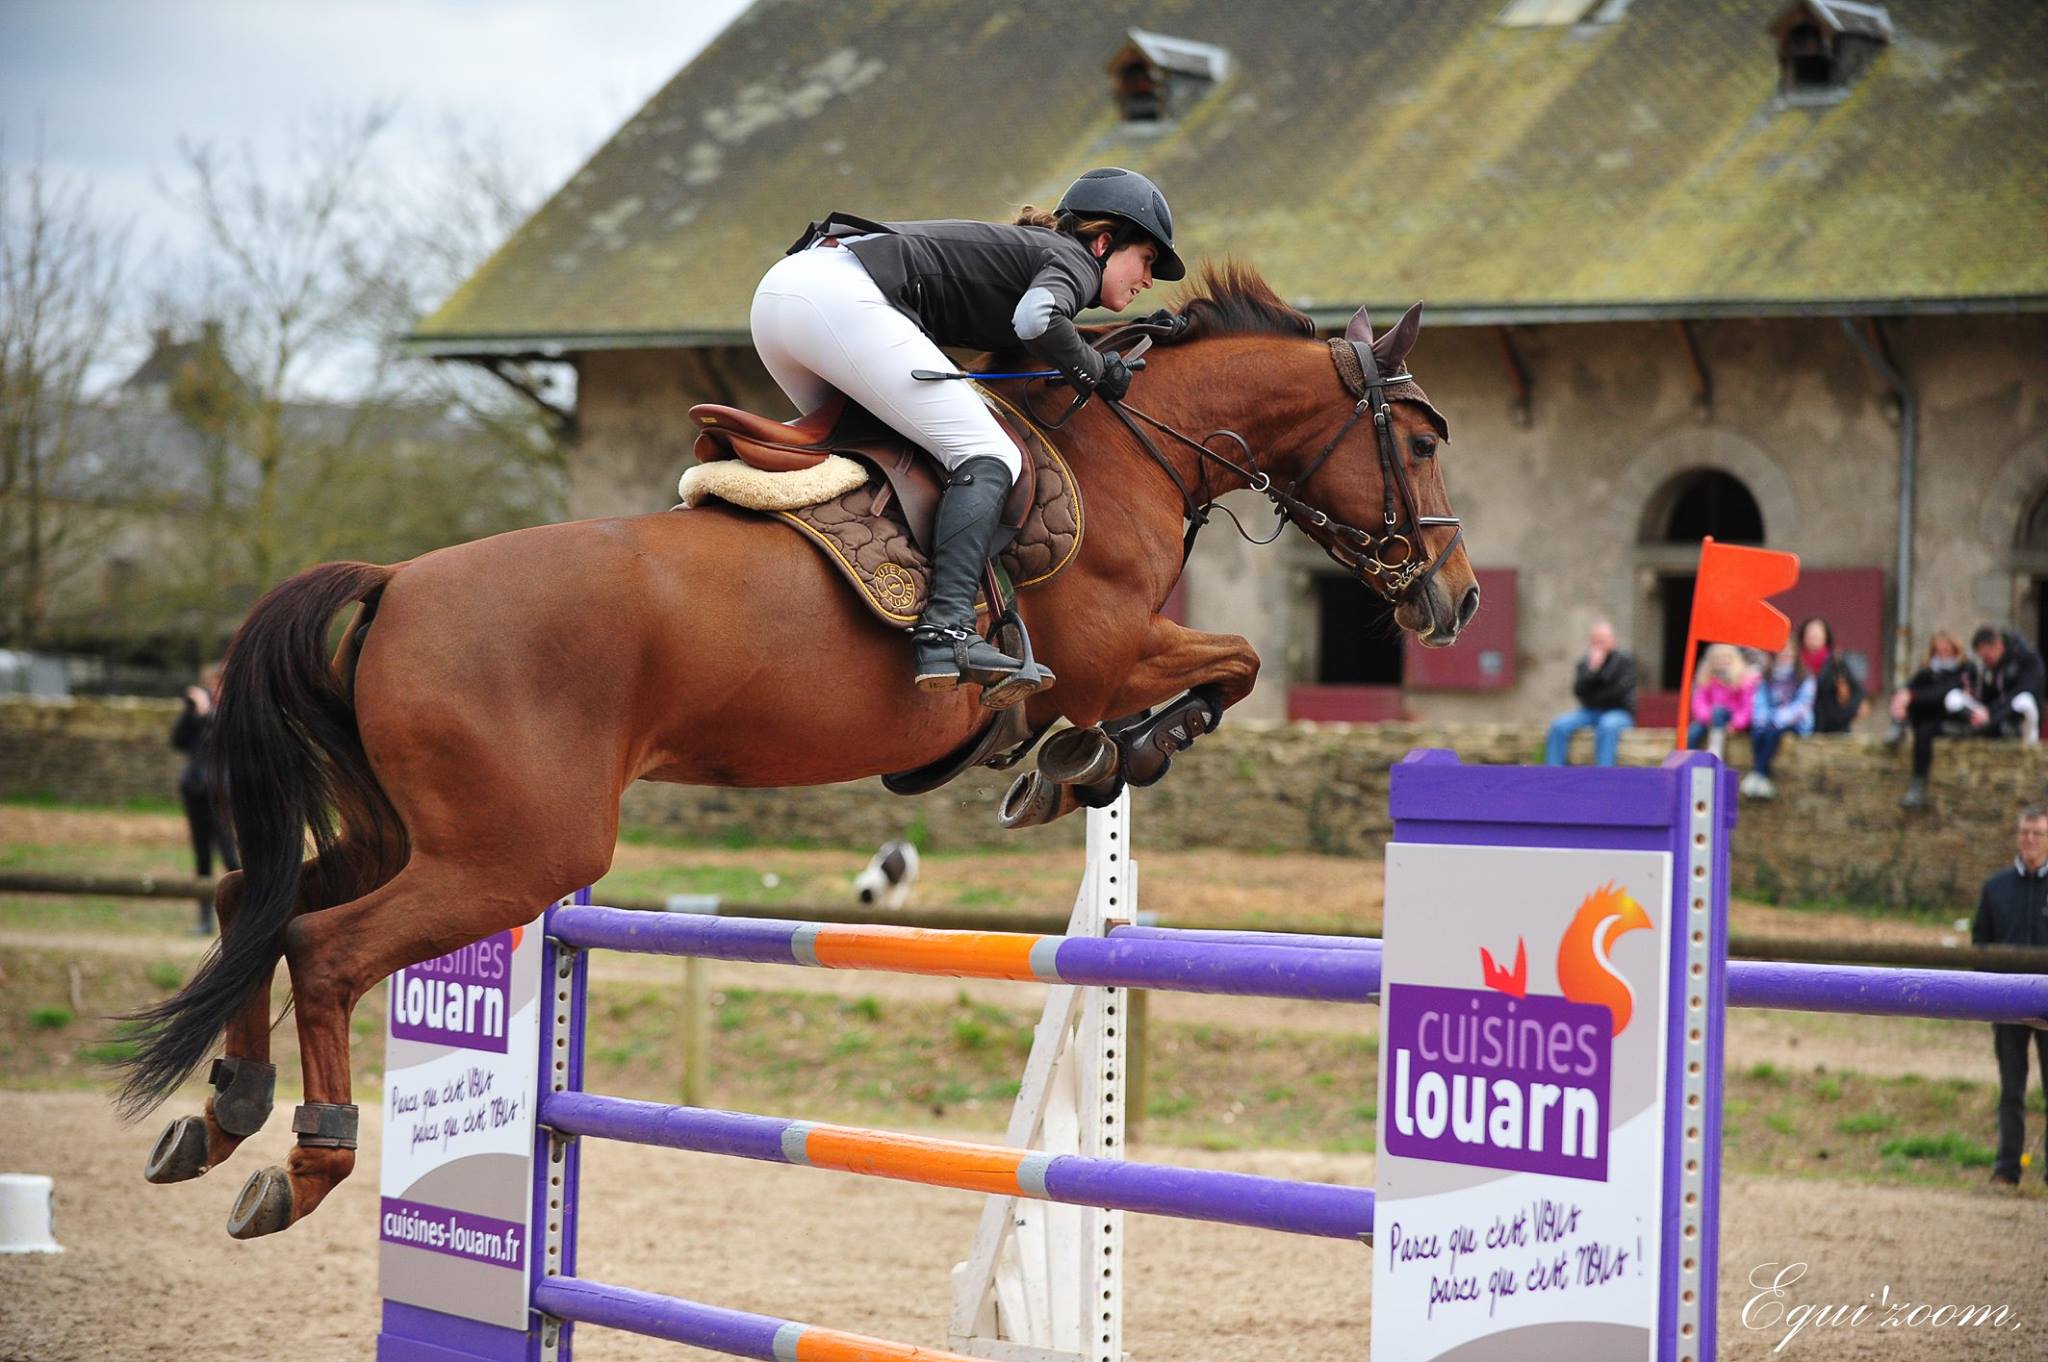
pixel 1774 271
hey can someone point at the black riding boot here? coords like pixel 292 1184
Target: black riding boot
pixel 949 648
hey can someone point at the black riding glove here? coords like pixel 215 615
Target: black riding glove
pixel 1116 377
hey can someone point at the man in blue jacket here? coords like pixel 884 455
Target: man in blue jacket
pixel 2013 911
pixel 1604 684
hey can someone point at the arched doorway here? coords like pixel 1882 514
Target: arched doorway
pixel 2030 565
pixel 1687 508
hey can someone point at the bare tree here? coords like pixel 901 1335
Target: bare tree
pixel 350 448
pixel 275 278
pixel 60 286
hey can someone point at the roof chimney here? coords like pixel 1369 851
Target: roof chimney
pixel 1825 45
pixel 1156 77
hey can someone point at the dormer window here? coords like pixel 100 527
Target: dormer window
pixel 1156 78
pixel 1824 45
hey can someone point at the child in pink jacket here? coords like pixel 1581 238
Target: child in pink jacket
pixel 1723 698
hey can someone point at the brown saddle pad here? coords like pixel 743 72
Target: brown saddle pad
pixel 887 564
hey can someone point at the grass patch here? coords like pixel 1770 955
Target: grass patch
pixel 44 799
pixel 51 1018
pixel 1946 1148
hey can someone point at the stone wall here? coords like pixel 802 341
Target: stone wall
pixel 1835 832
pixel 105 751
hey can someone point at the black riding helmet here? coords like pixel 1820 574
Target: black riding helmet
pixel 1114 192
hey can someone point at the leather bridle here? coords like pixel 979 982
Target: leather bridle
pixel 1389 558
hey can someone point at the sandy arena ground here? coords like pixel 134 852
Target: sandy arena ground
pixel 149 1273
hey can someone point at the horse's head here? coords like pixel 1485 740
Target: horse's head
pixel 1372 491
pixel 1338 435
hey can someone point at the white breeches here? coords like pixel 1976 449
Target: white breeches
pixel 821 325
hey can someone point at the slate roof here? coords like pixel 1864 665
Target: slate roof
pixel 1357 151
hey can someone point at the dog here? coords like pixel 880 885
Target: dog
pixel 889 877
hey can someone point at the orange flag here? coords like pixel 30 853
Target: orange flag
pixel 1730 605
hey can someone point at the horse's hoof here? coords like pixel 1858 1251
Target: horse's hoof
pixel 1034 801
pixel 1078 756
pixel 264 1206
pixel 180 1153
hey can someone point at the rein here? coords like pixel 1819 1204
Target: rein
pixel 1390 560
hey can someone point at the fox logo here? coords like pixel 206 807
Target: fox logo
pixel 1585 967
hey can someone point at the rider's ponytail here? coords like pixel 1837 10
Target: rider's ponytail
pixel 1121 233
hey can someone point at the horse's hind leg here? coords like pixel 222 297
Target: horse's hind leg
pixel 243 1078
pixel 338 955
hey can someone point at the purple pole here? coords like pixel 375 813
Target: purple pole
pixel 1178 966
pixel 1312 1208
pixel 734 1332
pixel 1217 937
pixel 1941 994
pixel 1957 995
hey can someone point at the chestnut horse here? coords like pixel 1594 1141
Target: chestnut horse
pixel 459 763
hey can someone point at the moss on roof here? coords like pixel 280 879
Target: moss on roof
pixel 1356 152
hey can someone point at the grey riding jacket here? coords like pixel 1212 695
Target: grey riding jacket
pixel 980 285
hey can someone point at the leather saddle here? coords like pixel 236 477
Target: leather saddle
pixel 913 479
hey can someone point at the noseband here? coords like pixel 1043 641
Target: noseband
pixel 1390 557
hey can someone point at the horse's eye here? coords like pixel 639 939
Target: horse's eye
pixel 1423 446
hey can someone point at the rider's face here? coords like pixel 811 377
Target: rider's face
pixel 1127 273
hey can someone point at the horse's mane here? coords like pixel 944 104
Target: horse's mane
pixel 1230 299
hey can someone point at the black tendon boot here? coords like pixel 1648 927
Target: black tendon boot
pixel 949 649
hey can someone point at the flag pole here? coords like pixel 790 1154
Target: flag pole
pixel 1692 651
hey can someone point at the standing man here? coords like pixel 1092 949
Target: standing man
pixel 1604 682
pixel 2013 911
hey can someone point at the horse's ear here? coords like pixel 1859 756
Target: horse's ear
pixel 1391 350
pixel 1360 328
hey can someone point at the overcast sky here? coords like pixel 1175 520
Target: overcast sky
pixel 109 87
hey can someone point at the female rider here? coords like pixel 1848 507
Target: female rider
pixel 855 305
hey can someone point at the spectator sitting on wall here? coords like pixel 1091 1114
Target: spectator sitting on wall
pixel 1837 694
pixel 2013 678
pixel 204 818
pixel 1723 699
pixel 1604 683
pixel 1940 698
pixel 2013 911
pixel 1784 704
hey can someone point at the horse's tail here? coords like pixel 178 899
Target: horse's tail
pixel 286 746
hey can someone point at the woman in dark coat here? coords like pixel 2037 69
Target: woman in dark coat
pixel 1837 694
pixel 205 819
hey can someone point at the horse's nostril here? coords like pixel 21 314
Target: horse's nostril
pixel 1468 606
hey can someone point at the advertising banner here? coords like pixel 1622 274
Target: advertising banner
pixel 1525 1014
pixel 461 1063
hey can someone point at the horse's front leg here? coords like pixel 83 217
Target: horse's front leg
pixel 1175 658
pixel 1087 765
